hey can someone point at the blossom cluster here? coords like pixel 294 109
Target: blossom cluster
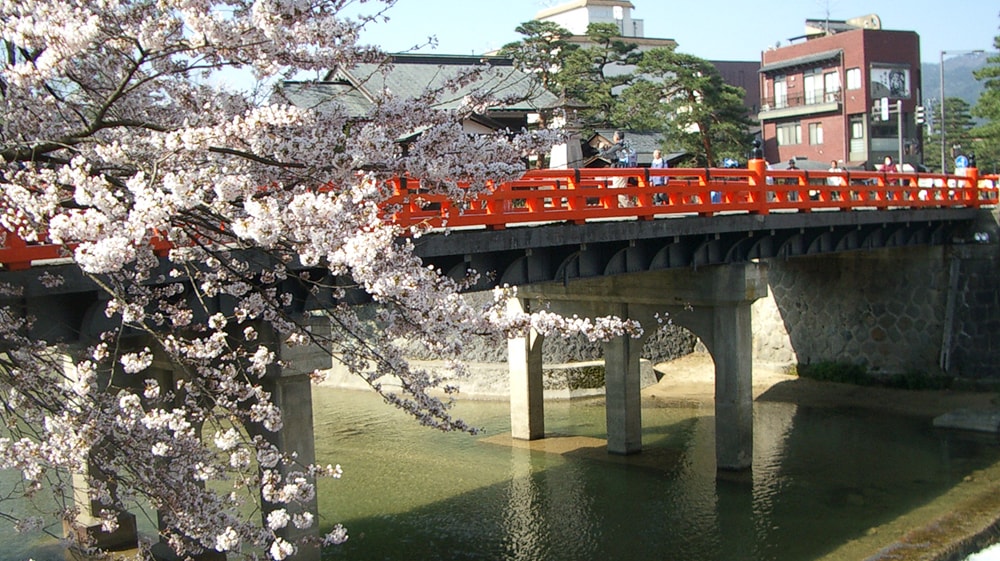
pixel 115 138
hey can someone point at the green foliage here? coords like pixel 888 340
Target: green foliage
pixel 595 74
pixel 958 124
pixel 541 51
pixel 574 378
pixel 586 377
pixel 841 372
pixel 918 380
pixel 622 87
pixel 987 135
pixel 847 373
pixel 703 114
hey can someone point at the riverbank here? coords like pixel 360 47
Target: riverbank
pixel 961 521
pixel 692 379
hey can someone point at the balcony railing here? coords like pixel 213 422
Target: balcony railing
pixel 804 99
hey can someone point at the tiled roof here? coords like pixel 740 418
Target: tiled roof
pixel 325 96
pixel 642 142
pixel 409 76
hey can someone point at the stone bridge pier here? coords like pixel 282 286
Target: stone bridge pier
pixel 712 302
pixel 287 380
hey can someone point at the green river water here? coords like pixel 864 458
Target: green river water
pixel 821 478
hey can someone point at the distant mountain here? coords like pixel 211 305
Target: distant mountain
pixel 958 79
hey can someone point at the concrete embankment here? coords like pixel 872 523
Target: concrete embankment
pixel 490 380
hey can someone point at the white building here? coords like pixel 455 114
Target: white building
pixel 576 15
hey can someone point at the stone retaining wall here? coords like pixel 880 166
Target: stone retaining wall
pixel 927 309
pixel 882 309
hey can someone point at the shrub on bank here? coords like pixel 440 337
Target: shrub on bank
pixel 848 373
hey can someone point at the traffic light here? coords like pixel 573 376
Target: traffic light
pixel 921 116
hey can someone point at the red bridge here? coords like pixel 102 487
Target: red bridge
pixel 591 237
pixel 582 195
pixel 579 196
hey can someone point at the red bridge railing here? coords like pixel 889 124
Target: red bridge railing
pixel 590 194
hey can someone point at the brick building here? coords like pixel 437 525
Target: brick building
pixel 819 95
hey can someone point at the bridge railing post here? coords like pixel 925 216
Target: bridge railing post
pixel 18 256
pixel 973 175
pixel 758 180
pixel 704 198
pixel 574 202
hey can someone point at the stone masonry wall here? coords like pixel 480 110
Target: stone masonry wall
pixel 669 342
pixel 887 310
pixel 883 309
pixel 975 351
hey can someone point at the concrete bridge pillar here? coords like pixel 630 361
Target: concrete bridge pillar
pixel 731 350
pixel 621 378
pixel 725 331
pixel 289 383
pixel 88 527
pixel 622 390
pixel 524 359
pixel 713 302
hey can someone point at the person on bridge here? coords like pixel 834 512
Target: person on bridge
pixel 889 166
pixel 658 180
pixel 792 195
pixel 619 154
pixel 833 180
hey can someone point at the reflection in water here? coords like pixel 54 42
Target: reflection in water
pixel 522 519
pixel 822 477
pixel 545 507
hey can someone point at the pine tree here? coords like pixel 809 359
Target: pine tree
pixel 987 135
pixel 958 123
pixel 686 98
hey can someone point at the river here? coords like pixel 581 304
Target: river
pixel 822 478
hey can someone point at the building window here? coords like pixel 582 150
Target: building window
pixel 815 133
pixel 831 86
pixel 780 91
pixel 812 82
pixel 789 134
pixel 857 128
pixel 854 78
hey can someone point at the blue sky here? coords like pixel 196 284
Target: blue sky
pixel 711 29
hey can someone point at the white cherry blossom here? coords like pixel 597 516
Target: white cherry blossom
pixel 114 141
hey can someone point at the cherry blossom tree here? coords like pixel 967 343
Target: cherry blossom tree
pixel 206 217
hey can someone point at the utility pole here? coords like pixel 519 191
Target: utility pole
pixel 899 124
